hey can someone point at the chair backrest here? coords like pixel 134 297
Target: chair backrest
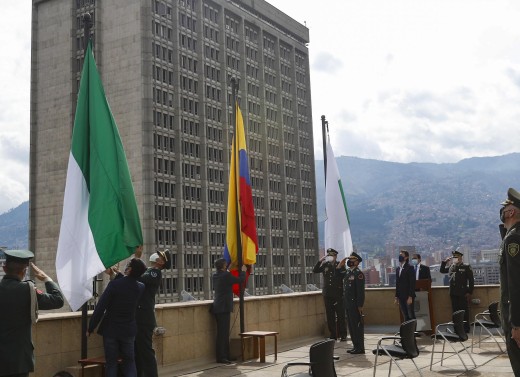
pixel 458 324
pixel 408 341
pixel 493 313
pixel 321 354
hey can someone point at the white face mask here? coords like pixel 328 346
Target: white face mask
pixel 329 258
pixel 455 260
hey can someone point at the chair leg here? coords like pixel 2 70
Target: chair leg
pixel 416 367
pixel 473 337
pixel 375 362
pixel 433 351
pixel 458 354
pixel 471 357
pixel 442 356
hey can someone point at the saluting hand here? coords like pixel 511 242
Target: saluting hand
pixel 40 275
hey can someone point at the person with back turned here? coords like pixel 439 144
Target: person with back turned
pixel 510 276
pixel 333 293
pixel 222 306
pixel 354 288
pixel 461 284
pixel 19 305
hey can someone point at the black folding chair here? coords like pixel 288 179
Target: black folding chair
pixel 453 333
pixel 321 360
pixel 488 320
pixel 403 346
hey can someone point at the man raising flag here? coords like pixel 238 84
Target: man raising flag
pixel 100 224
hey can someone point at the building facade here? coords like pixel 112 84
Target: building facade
pixel 166 68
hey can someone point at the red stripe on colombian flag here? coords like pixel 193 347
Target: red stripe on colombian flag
pixel 240 183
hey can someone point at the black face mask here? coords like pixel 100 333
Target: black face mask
pixel 350 263
pixel 502 216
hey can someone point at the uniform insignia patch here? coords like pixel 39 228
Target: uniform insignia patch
pixel 361 276
pixel 154 274
pixel 513 249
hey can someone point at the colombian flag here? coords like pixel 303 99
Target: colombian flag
pixel 240 210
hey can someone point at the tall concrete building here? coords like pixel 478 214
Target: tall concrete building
pixel 166 67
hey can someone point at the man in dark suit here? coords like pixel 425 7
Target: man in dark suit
pixel 19 303
pixel 222 306
pixel 116 308
pixel 405 286
pixel 420 271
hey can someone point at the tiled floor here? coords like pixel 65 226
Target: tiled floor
pixel 490 361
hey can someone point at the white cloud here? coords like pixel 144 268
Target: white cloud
pixel 425 81
pixel 15 55
pixel 402 80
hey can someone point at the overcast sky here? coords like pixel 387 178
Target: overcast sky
pixel 398 80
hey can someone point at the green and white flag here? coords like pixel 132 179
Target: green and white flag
pixel 100 224
pixel 337 224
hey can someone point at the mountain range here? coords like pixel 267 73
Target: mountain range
pixel 430 206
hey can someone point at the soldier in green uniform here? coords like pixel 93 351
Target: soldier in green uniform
pixel 19 303
pixel 333 293
pixel 510 276
pixel 461 284
pixel 354 288
pixel 145 360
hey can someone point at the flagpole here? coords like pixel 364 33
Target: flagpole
pixel 234 89
pixel 87 22
pixel 324 129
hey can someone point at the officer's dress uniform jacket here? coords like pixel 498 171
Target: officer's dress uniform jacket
pixel 16 347
pixel 509 260
pixel 333 296
pixel 461 282
pixel 145 360
pixel 354 288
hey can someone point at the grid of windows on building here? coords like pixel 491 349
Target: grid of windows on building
pixel 196 47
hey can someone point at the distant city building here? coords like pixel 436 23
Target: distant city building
pixel 2 260
pixel 489 256
pixel 486 273
pixel 372 276
pixel 166 67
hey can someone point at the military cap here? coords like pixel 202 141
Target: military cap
pixel 457 253
pixel 331 250
pixel 513 198
pixel 19 256
pixel 355 255
pixel 164 254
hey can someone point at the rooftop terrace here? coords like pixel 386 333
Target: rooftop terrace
pixel 490 361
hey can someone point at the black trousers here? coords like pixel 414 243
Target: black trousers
pixel 356 328
pixel 335 310
pixel 461 303
pixel 145 360
pixel 222 343
pixel 512 348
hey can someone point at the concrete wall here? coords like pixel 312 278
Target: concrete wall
pixel 190 328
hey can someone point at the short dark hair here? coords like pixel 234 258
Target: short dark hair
pixel 406 253
pixel 220 264
pixel 138 267
pixel 418 256
pixel 15 267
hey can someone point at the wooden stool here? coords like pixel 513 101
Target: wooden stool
pixel 259 343
pixel 100 360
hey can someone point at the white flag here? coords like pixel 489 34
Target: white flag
pixel 337 224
